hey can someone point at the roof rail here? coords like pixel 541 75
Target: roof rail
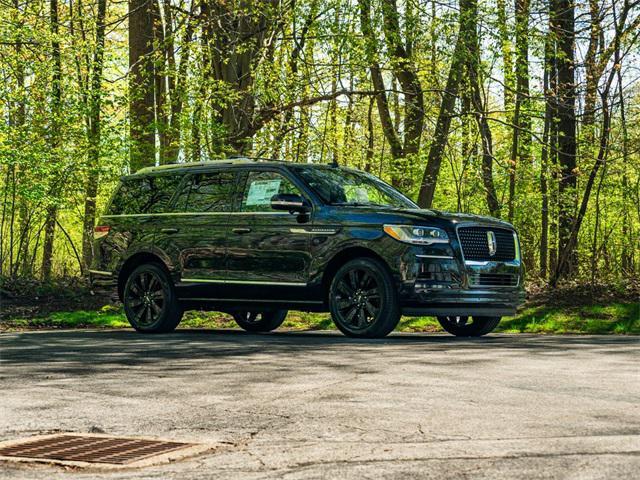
pixel 172 166
pixel 221 161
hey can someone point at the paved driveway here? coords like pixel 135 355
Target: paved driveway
pixel 296 405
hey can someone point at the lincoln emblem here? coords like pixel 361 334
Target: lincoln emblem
pixel 491 242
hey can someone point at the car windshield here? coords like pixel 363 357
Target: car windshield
pixel 339 186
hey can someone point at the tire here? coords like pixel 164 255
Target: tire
pixel 260 321
pixel 150 300
pixel 363 299
pixel 460 326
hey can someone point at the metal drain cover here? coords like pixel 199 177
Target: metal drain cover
pixel 95 449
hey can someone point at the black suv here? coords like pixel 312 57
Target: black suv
pixel 256 238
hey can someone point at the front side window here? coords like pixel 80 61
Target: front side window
pixel 338 186
pixel 207 192
pixel 260 187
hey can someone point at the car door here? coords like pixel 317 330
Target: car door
pixel 268 249
pixel 195 234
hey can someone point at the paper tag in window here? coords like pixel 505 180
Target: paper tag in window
pixel 261 191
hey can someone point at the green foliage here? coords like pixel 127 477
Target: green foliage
pixel 614 318
pixel 294 62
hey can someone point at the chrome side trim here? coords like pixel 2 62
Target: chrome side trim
pixel 242 282
pixel 448 257
pixel 314 231
pixel 482 263
pixel 251 300
pixel 101 272
pixel 191 214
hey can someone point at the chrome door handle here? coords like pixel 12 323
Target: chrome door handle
pixel 240 231
pixel 169 230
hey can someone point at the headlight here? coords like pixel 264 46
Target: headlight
pixel 417 235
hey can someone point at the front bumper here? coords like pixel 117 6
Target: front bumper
pixel 434 286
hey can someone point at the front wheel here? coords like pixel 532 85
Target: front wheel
pixel 465 326
pixel 260 321
pixel 363 299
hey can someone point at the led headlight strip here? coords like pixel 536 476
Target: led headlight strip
pixel 417 235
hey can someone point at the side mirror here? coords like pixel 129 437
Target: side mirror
pixel 290 202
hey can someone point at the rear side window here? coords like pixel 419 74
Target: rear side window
pixel 163 188
pixel 207 192
pixel 133 196
pixel 144 195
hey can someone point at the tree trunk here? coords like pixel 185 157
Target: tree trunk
pixel 94 137
pixel 142 151
pixel 405 72
pixel 56 94
pixel 565 257
pixel 628 245
pixel 549 72
pixel 370 136
pixel 473 68
pixel 443 123
pixel 507 57
pixel 564 22
pixel 161 76
pixel 521 140
pixel 382 102
pixel 236 45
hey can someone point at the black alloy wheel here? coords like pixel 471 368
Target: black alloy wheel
pixel 363 299
pixel 465 326
pixel 150 302
pixel 264 321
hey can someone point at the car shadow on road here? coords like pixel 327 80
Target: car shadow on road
pixel 88 351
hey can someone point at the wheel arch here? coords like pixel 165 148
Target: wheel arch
pixel 342 257
pixel 132 263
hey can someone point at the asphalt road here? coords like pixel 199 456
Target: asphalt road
pixel 296 405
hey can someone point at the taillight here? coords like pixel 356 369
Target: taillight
pixel 101 231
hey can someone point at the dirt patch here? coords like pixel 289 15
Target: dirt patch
pixel 576 294
pixel 28 298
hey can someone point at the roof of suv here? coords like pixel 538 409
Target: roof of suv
pixel 210 163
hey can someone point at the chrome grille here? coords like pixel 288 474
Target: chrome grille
pixel 475 245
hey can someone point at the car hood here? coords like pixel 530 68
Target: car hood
pixel 417 215
pixel 458 218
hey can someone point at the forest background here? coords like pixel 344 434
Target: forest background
pixel 525 110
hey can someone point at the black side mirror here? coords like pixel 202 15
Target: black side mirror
pixel 290 202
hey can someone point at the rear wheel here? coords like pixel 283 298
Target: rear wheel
pixel 465 326
pixel 260 321
pixel 363 299
pixel 150 301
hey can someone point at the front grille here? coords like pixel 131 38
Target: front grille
pixel 493 280
pixel 475 245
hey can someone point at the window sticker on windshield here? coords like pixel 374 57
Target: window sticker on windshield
pixel 261 191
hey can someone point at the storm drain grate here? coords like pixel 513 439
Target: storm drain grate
pixel 91 449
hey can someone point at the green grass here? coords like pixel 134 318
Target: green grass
pixel 615 318
pixel 612 318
